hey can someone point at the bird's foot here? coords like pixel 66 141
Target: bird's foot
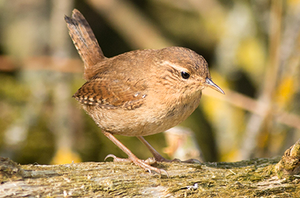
pixel 158 158
pixel 144 164
pixel 117 159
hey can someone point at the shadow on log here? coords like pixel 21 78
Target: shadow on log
pixel 249 178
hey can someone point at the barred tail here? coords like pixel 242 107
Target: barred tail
pixel 84 40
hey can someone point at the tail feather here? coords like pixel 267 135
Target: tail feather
pixel 84 40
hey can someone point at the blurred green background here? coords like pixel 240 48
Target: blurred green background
pixel 253 51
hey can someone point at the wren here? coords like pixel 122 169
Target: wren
pixel 137 93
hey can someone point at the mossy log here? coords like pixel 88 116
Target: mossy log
pixel 249 178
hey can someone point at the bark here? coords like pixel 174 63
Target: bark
pixel 249 178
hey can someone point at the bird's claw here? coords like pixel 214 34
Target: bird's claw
pixel 117 159
pixel 145 164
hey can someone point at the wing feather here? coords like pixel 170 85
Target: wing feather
pixel 111 94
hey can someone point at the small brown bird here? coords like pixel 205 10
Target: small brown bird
pixel 140 92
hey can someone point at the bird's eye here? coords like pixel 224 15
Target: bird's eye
pixel 185 75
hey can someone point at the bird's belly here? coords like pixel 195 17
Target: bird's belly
pixel 142 121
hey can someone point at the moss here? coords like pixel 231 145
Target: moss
pixel 9 170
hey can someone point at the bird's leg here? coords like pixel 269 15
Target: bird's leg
pixel 155 154
pixel 160 158
pixel 131 156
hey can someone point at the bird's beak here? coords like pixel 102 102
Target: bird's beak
pixel 212 85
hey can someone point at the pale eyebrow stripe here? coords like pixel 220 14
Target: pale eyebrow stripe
pixel 175 66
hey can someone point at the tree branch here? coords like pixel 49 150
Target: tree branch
pixel 249 178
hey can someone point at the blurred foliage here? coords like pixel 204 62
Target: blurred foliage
pixel 233 36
